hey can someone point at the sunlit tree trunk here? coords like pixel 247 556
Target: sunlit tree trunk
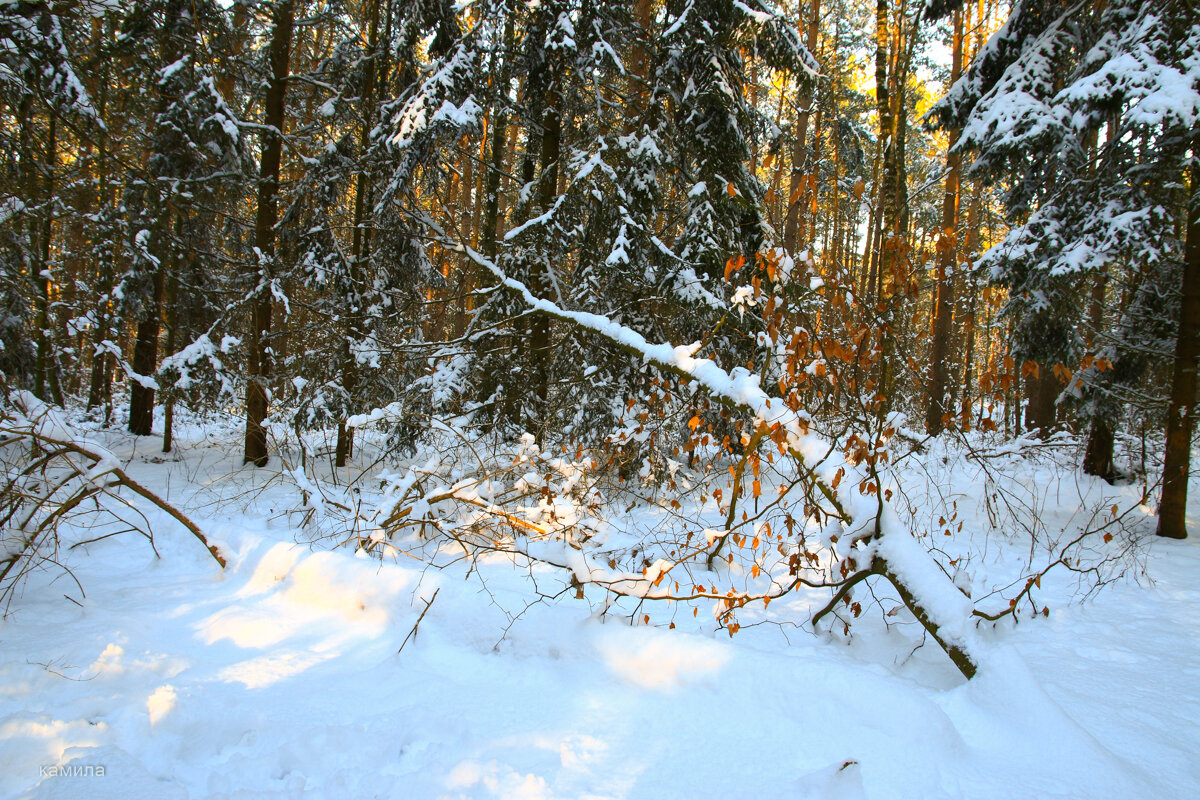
pixel 947 260
pixel 792 233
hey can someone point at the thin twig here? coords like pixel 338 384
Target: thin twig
pixel 413 632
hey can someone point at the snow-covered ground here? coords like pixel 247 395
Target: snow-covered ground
pixel 280 677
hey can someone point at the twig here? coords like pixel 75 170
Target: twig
pixel 413 632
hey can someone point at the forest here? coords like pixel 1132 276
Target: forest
pixel 801 322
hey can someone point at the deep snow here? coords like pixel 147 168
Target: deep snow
pixel 281 677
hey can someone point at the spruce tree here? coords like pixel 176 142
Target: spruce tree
pixel 1088 111
pixel 195 148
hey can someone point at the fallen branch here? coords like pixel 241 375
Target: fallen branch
pixel 957 652
pixel 921 583
pixel 879 566
pixel 104 474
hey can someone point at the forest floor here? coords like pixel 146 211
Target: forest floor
pixel 281 676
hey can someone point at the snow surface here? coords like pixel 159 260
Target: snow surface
pixel 280 677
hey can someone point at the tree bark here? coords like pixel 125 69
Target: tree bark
pixel 1172 511
pixel 973 209
pixel 947 248
pixel 540 344
pixel 46 376
pixel 1042 391
pixel 467 208
pixel 145 354
pixel 493 216
pixel 1098 458
pixel 102 267
pixel 171 317
pixel 639 63
pixel 883 109
pixel 359 243
pixel 257 398
pixel 145 349
pixel 792 224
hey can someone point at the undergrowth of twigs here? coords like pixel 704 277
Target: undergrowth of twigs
pixel 750 534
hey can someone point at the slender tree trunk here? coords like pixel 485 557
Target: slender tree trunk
pixel 100 355
pixel 102 265
pixel 1098 458
pixel 227 81
pixel 359 243
pixel 145 349
pixel 791 227
pixel 264 234
pixel 465 273
pixel 833 229
pixel 172 319
pixel 492 221
pixel 893 214
pixel 491 230
pixel 639 63
pixel 947 250
pixel 46 376
pixel 973 210
pixel 1172 512
pixel 887 136
pixel 870 259
pixel 540 342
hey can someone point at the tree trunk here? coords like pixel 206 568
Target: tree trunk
pixel 1098 459
pixel 264 234
pixel 172 319
pixel 145 349
pixel 100 356
pixel 973 210
pixel 145 354
pixel 103 269
pixel 639 63
pixel 227 81
pixel 540 343
pixel 1042 392
pixel 469 207
pixel 947 249
pixel 870 256
pixel 46 376
pixel 792 223
pixel 890 94
pixel 883 109
pixel 1172 512
pixel 492 219
pixel 359 243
